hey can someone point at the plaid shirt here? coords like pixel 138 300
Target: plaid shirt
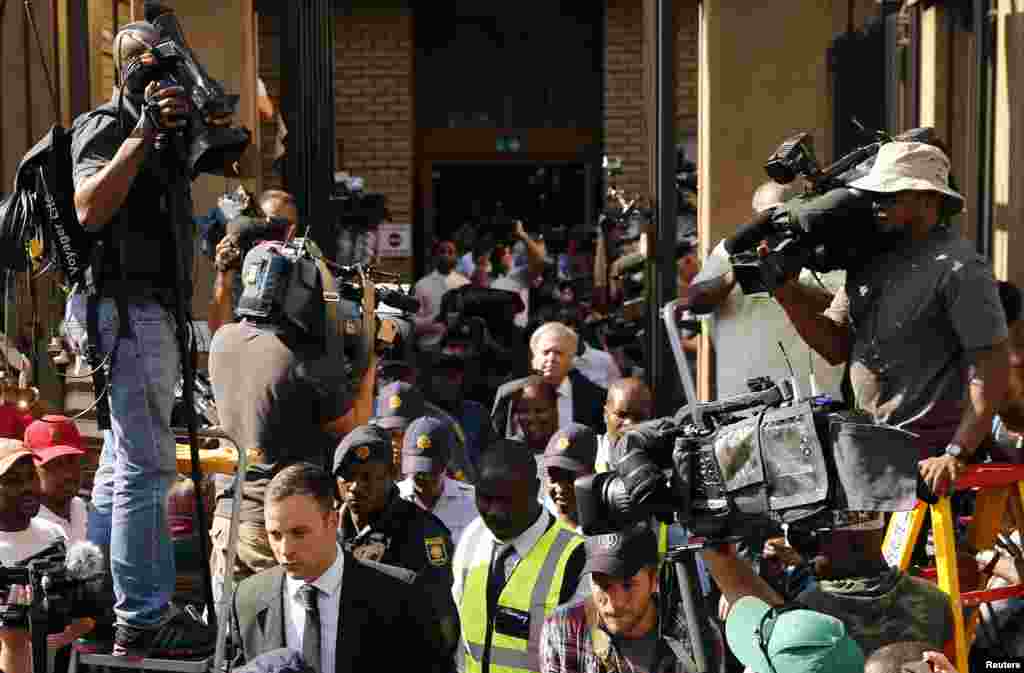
pixel 566 646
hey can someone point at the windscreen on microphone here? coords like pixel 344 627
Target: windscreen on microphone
pixel 85 561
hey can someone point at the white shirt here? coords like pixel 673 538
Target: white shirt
pixel 517 280
pixel 564 403
pixel 604 450
pixel 429 290
pixel 747 330
pixel 329 603
pixel 456 508
pixel 74 529
pixel 16 546
pixel 598 366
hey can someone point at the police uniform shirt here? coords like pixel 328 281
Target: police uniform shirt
pixel 329 604
pixel 456 508
pixel 404 535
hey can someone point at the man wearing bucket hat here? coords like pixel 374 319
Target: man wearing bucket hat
pixel 770 639
pixel 919 320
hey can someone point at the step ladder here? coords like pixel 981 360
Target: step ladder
pixel 110 661
pixel 993 483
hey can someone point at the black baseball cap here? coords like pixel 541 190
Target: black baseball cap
pixel 365 444
pixel 573 448
pixel 621 554
pixel 427 443
pixel 397 405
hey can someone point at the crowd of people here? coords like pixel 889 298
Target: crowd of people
pixel 403 526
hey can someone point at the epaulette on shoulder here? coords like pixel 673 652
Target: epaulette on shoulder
pixel 401 574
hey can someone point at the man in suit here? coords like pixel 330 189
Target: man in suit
pixel 323 602
pixel 553 347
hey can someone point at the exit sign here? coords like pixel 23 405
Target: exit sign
pixel 509 144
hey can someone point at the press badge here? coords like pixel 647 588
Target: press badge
pixel 512 622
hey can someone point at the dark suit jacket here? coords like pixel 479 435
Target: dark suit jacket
pixel 587 403
pixel 375 605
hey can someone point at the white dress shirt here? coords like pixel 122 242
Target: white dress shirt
pixel 329 603
pixel 564 403
pixel 604 451
pixel 429 290
pixel 74 528
pixel 598 366
pixel 456 508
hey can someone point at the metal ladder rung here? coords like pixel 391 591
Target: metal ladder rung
pixel 109 661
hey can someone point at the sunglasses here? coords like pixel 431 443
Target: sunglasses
pixel 765 628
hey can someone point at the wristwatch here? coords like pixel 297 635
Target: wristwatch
pixel 955 450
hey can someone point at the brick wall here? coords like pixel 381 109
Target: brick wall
pixel 374 106
pixel 687 20
pixel 625 126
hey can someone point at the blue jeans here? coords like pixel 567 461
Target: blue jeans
pixel 137 465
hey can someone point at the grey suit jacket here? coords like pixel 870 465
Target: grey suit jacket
pixel 378 605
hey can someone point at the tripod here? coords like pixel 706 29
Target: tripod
pixel 175 165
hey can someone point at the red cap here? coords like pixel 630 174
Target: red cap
pixel 53 436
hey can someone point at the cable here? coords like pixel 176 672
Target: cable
pixel 42 58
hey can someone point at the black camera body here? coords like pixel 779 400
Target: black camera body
pixel 753 459
pixel 209 148
pixel 59 594
pixel 831 226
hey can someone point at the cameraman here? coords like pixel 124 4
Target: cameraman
pixel 121 196
pixel 282 393
pixel 915 319
pixel 281 223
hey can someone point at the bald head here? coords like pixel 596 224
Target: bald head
pixel 506 491
pixel 771 194
pixel 629 402
pixel 508 458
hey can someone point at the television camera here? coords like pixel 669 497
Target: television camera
pixel 66 583
pixel 213 146
pixel 726 468
pixel 830 226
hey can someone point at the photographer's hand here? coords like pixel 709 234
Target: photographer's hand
pixel 171 105
pixel 228 256
pixel 941 473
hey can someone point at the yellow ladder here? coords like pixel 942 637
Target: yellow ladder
pixel 993 482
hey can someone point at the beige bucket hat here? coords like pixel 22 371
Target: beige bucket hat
pixel 902 166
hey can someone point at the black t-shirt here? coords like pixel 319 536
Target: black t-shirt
pixel 142 248
pixel 274 396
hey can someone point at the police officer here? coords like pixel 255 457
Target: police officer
pixel 398 404
pixel 426 450
pixel 376 524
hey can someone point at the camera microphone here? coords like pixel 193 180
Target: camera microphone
pixel 85 561
pixel 750 234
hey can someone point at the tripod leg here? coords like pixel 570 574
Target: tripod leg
pixel 686 576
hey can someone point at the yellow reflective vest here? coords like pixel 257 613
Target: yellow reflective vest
pixel 531 593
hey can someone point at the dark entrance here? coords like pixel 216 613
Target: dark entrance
pixel 550 198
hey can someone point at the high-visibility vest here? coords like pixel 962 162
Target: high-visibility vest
pixel 533 589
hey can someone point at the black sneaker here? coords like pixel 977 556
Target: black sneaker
pixel 180 637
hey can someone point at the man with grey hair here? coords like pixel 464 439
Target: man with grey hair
pixel 553 347
pixel 748 329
